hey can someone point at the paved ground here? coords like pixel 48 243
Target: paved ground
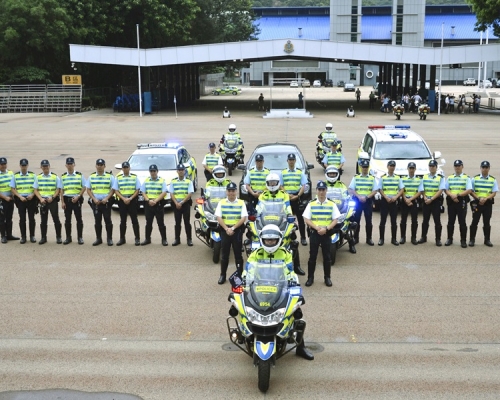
pixel 413 321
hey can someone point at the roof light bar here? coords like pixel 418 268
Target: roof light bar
pixel 389 127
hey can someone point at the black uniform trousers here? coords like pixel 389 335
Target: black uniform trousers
pixel 6 217
pixel 433 209
pixel 53 209
pixel 208 175
pixel 485 211
pixel 252 204
pixel 295 206
pixel 102 211
pixel 413 212
pixel 316 240
pixel 151 213
pixel 236 242
pixel 126 210
pixel 28 207
pixel 367 209
pixel 457 210
pixel 390 209
pixel 183 214
pixel 73 208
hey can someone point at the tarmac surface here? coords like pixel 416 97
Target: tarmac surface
pixel 123 323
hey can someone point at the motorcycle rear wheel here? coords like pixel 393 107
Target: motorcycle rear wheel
pixel 216 249
pixel 264 375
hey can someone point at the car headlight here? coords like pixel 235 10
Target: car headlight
pixel 264 320
pixel 210 216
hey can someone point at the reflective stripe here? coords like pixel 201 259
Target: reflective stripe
pixel 483 187
pixel 258 179
pixel 431 184
pixel 127 184
pixel 153 188
pixel 321 214
pixel 411 185
pixel 100 184
pixel 212 160
pixel 334 159
pixel 5 179
pixel 292 180
pixel 364 184
pixel 181 188
pixel 231 212
pixel 72 184
pixel 390 185
pixel 24 183
pixel 47 185
pixel 457 184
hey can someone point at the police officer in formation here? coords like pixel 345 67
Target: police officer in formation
pixel 231 214
pixel 210 160
pixel 458 187
pixel 23 188
pixel 126 187
pixel 484 190
pixel 362 188
pixel 154 190
pixel 255 181
pixel 100 189
pixel 334 157
pixel 321 217
pixel 73 187
pixel 218 180
pixel 181 189
pixel 410 197
pixel 391 188
pixel 432 186
pixel 47 190
pixel 6 202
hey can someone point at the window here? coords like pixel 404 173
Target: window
pixel 367 144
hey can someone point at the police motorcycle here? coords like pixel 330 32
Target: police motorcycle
pixel 343 232
pixel 265 315
pixel 324 144
pixel 397 110
pixel 231 150
pixel 423 110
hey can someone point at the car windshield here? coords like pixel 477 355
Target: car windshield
pixel 401 151
pixel 143 161
pixel 276 160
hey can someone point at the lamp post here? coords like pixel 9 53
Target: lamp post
pixel 139 71
pixel 441 69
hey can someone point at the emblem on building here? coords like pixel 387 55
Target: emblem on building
pixel 288 47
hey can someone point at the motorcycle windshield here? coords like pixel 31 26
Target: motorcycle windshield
pixel 231 141
pixel 214 195
pixel 272 213
pixel 328 138
pixel 266 287
pixel 338 196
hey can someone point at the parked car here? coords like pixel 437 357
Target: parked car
pixel 317 83
pixel 486 84
pixel 349 87
pixel 306 83
pixel 328 83
pixel 470 82
pixel 340 83
pixel 294 84
pixel 234 90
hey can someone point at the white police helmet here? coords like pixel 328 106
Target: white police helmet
pixel 232 128
pixel 270 238
pixel 332 174
pixel 273 182
pixel 219 173
pixel 328 126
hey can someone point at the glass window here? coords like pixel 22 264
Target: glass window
pixel 401 151
pixel 143 161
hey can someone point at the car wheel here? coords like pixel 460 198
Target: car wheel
pixel 217 93
pixel 235 93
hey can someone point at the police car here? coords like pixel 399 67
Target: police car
pixel 382 143
pixel 166 156
pixel 234 90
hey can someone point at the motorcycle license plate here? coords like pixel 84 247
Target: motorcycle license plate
pixel 296 291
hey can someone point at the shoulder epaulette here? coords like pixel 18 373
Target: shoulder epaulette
pixel 491 176
pixel 132 174
pixel 52 173
pixel 477 175
pixel 65 173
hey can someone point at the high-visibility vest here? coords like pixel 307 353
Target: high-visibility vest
pixel 47 185
pixel 127 184
pixel 5 179
pixel 483 187
pixel 390 185
pixel 153 188
pixel 431 184
pixel 24 183
pixel 292 180
pixel 258 179
pixel 364 184
pixel 411 185
pixel 334 158
pixel 181 188
pixel 231 212
pixel 72 184
pixel 212 160
pixel 457 184
pixel 101 184
pixel 321 214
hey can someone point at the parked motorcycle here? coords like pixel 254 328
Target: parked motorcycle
pixel 344 230
pixel 206 226
pixel 231 152
pixel 264 316
pixel 423 110
pixel 397 110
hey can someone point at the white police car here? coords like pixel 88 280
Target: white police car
pixel 166 156
pixel 382 143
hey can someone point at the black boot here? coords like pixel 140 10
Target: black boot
pixel 32 225
pixel 177 240
pixel 450 229
pixel 67 228
pixel 223 270
pixel 3 234
pixel 189 237
pixel 486 231
pixel 296 262
pixel 327 269
pixel 58 228
pixel 79 232
pixel 472 235
pixel 147 235
pixel 425 229
pixel 402 227
pixel 163 232
pixel 8 231
pixel 369 230
pixel 43 234
pixel 352 247
pixel 123 231
pixel 301 351
pixel 356 234
pixel 414 229
pixel 463 236
pixel 22 228
pixel 137 234
pixel 438 230
pixel 381 232
pixel 239 266
pixel 109 234
pixel 394 232
pixel 98 235
pixel 311 267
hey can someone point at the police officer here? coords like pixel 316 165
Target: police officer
pixel 293 182
pixel 219 178
pixel 231 214
pixel 334 157
pixel 329 135
pixel 23 188
pixel 210 161
pixel 276 256
pixel 6 202
pixel 484 190
pixel 126 189
pixel 47 189
pixel 255 181
pixel 321 217
pixel 362 188
pixel 390 188
pixel 274 193
pixel 100 189
pixel 458 187
pixel 154 190
pixel 432 186
pixel 180 190
pixel 73 186
pixel 410 197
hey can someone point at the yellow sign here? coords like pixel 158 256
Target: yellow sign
pixel 71 79
pixel 266 289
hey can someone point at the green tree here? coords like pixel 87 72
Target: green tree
pixel 487 14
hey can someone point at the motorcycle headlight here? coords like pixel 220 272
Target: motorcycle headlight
pixel 307 188
pixel 264 320
pixel 244 189
pixel 210 216
pixel 352 203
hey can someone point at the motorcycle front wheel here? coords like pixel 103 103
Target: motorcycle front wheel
pixel 333 253
pixel 216 249
pixel 398 117
pixel 264 375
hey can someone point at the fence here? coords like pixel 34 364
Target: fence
pixel 40 98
